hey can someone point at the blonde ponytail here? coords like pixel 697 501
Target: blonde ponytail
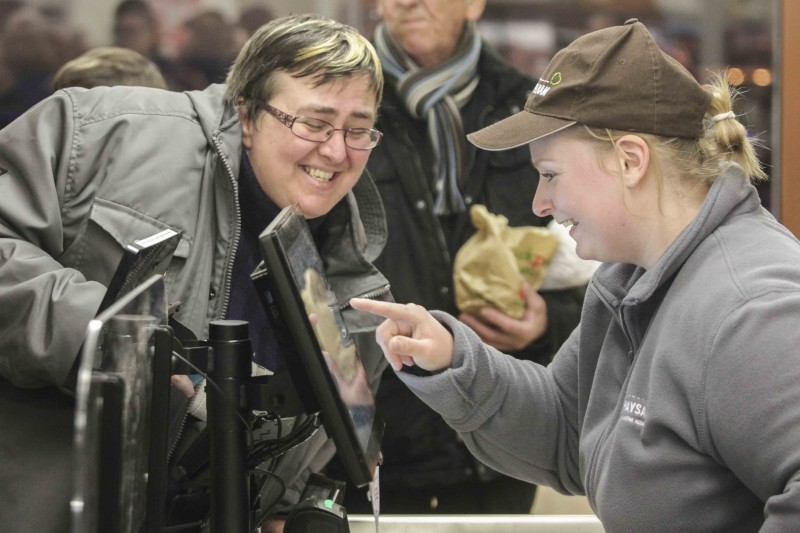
pixel 725 138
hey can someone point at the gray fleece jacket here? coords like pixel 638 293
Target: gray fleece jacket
pixel 675 404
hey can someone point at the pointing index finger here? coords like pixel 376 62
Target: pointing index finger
pixel 390 310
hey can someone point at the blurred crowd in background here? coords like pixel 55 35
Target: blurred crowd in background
pixel 36 41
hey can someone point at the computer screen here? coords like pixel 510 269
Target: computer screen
pixel 321 356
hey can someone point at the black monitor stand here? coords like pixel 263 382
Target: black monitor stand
pixel 233 395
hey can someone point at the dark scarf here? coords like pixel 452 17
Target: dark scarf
pixel 257 210
pixel 437 94
pixel 244 304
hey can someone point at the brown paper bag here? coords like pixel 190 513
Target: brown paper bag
pixel 534 249
pixel 491 267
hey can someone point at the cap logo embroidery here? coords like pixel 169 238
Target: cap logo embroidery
pixel 544 86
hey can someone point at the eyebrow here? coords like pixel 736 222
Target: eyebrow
pixel 541 161
pixel 333 112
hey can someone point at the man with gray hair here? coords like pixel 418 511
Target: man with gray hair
pixel 443 80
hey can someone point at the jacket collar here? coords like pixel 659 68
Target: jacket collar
pixel 365 203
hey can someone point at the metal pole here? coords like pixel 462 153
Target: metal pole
pixel 230 488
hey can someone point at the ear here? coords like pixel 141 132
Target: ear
pixel 247 127
pixel 633 154
pixel 475 9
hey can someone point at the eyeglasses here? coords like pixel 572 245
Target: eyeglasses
pixel 319 131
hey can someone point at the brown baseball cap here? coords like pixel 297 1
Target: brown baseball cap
pixel 615 78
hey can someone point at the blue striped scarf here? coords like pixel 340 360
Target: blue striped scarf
pixel 437 94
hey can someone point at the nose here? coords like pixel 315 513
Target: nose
pixel 542 205
pixel 334 148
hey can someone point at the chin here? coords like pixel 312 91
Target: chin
pixel 586 254
pixel 315 210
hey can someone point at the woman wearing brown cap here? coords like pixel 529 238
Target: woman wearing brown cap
pixel 674 405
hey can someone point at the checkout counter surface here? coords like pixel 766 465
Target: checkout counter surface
pixel 476 524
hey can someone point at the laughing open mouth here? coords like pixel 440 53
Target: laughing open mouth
pixel 568 223
pixel 319 175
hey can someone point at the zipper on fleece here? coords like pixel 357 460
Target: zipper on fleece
pixel 225 280
pixel 237 227
pixel 593 464
pixel 181 426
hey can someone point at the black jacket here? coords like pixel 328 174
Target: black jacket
pixel 418 447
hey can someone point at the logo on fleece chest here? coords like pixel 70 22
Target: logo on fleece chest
pixel 634 410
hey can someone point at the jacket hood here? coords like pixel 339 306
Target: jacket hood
pixel 212 110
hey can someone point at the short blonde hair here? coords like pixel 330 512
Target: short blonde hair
pixel 109 66
pixel 304 46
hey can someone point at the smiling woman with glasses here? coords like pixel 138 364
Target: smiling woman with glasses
pixel 319 131
pixel 214 166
